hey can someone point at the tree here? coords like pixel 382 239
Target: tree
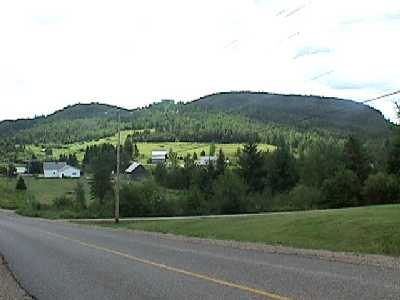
pixel 356 159
pixel 221 163
pixel 128 148
pixel 35 167
pixel 100 184
pixel 72 160
pixel 393 160
pixel 212 149
pixel 281 173
pixel 250 167
pixel 318 162
pixel 136 152
pixel 229 192
pixel 173 158
pixel 21 186
pixel 80 195
pixel 11 170
pixel 342 190
pixel 381 188
pixel 49 152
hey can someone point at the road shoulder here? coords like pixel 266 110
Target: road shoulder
pixel 343 257
pixel 10 289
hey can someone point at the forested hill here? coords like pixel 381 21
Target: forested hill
pixel 304 112
pixel 225 117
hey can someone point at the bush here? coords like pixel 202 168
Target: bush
pixel 80 196
pixel 196 202
pixel 342 190
pixel 381 188
pixel 144 198
pixel 229 194
pixel 63 202
pixel 21 186
pixel 304 198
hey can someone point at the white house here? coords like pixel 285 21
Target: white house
pixel 60 170
pixel 205 160
pixel 159 156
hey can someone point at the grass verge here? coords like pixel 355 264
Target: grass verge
pixel 372 230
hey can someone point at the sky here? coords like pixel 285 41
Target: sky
pixel 55 53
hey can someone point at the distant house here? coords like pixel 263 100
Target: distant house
pixel 60 170
pixel 159 156
pixel 21 170
pixel 205 160
pixel 136 171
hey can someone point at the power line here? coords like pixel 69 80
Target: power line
pixel 382 96
pixel 340 110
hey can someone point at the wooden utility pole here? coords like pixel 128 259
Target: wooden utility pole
pixel 118 171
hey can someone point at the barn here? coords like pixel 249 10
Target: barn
pixel 136 171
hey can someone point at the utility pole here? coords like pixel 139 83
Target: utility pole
pixel 118 171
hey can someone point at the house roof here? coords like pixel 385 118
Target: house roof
pixel 159 153
pixel 54 166
pixel 68 167
pixel 57 166
pixel 132 167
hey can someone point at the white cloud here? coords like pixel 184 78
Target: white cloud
pixel 130 53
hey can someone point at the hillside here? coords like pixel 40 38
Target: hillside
pixel 303 112
pixel 225 117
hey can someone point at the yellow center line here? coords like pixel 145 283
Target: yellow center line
pixel 173 269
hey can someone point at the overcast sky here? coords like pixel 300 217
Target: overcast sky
pixel 130 53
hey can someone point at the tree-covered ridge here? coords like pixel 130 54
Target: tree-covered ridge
pixel 225 117
pixel 303 112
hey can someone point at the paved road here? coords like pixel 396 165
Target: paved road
pixel 65 261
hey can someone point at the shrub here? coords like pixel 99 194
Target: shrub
pixel 62 202
pixel 381 188
pixel 303 197
pixel 21 186
pixel 229 194
pixel 144 199
pixel 196 202
pixel 342 190
pixel 80 196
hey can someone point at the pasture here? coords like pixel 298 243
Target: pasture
pixel 182 148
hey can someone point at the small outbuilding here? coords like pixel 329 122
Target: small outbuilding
pixel 159 156
pixel 21 170
pixel 136 171
pixel 206 160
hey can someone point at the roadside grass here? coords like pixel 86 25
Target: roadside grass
pixel 372 230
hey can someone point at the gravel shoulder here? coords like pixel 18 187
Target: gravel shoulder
pixel 9 287
pixel 344 257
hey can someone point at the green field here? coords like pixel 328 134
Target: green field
pixel 182 148
pixel 43 190
pixel 373 229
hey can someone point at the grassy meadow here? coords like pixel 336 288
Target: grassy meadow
pixel 182 148
pixel 373 229
pixel 42 190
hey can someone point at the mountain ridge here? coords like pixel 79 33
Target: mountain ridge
pixel 304 113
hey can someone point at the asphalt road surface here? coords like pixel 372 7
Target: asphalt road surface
pixel 66 261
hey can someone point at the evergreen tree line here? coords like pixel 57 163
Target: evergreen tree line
pixel 324 176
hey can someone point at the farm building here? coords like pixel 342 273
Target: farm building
pixel 205 160
pixel 21 170
pixel 159 156
pixel 60 170
pixel 136 171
